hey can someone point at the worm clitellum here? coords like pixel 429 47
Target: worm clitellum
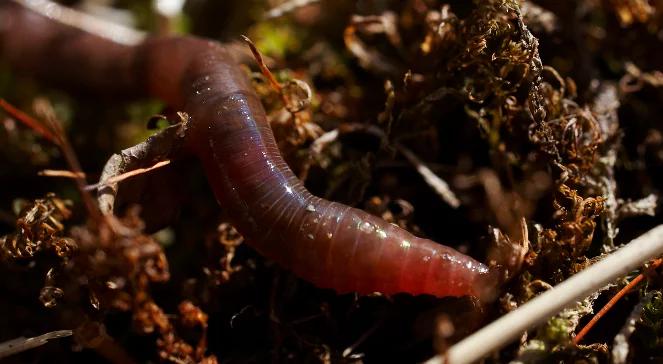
pixel 327 243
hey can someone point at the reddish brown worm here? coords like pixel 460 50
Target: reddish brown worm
pixel 327 243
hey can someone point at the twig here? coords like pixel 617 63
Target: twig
pixel 440 186
pixel 52 130
pixel 315 150
pixel 123 176
pixel 88 23
pixel 108 182
pixel 348 351
pixel 612 302
pixel 28 120
pixel 60 173
pixel 510 326
pixel 263 67
pixel 607 308
pixel 45 109
pixel 21 344
pixel 296 95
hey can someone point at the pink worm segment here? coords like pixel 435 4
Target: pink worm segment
pixel 327 243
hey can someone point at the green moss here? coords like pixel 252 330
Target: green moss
pixel 276 39
pixel 556 331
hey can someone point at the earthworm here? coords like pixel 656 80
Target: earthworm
pixel 326 243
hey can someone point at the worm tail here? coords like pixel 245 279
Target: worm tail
pixel 352 251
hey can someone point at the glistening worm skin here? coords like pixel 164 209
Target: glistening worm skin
pixel 327 243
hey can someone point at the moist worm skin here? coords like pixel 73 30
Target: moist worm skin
pixel 327 243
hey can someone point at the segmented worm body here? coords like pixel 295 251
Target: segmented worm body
pixel 327 243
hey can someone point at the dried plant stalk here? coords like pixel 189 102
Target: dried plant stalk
pixel 21 344
pixel 540 309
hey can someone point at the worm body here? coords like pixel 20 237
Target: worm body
pixel 327 243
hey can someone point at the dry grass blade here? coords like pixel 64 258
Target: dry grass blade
pixel 509 327
pixel 123 176
pixel 440 186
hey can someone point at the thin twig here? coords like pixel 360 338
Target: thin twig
pixel 511 326
pixel 123 176
pixel 28 120
pixel 608 306
pixel 21 344
pixel 296 95
pixel 440 186
pixel 60 173
pixel 263 67
pixel 52 130
pixel 45 109
pixel 612 302
pixel 350 349
pixel 315 151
